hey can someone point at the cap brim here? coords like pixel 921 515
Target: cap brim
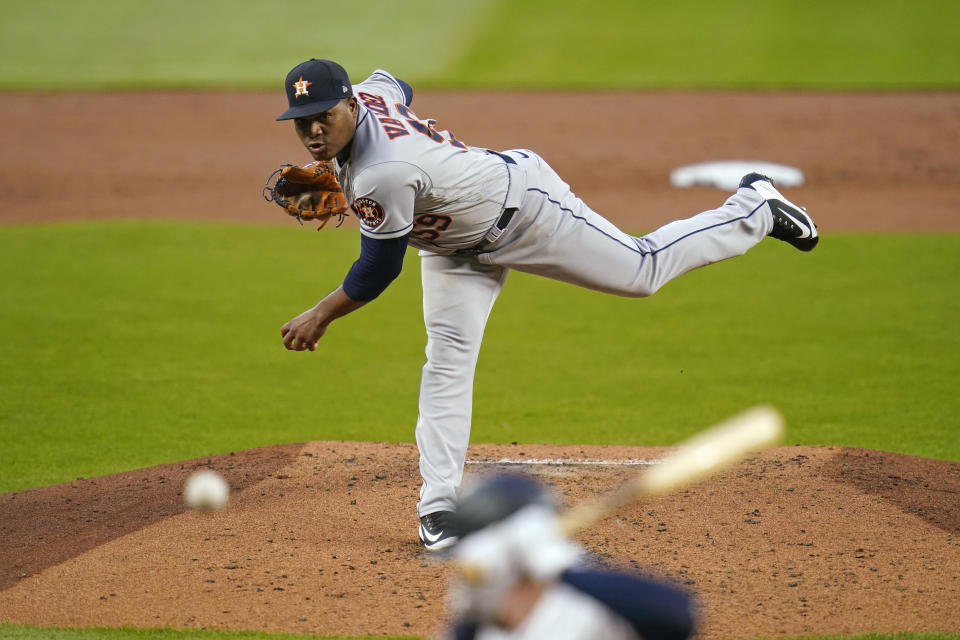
pixel 309 109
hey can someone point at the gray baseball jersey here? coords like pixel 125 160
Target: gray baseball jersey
pixel 403 176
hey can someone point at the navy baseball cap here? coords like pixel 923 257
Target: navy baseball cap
pixel 315 86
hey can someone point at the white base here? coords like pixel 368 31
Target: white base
pixel 726 174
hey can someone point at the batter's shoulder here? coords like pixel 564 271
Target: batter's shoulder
pixel 656 610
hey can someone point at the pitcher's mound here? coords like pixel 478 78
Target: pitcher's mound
pixel 321 538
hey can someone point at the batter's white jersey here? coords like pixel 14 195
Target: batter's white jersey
pixel 403 176
pixel 564 613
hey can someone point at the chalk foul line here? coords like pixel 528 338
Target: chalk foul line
pixel 572 462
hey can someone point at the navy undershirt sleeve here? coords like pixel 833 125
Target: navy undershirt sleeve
pixel 379 263
pixel 407 91
pixel 656 611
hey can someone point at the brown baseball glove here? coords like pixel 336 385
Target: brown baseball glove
pixel 308 193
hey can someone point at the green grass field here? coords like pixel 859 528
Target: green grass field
pixel 718 43
pixel 132 344
pixel 835 44
pixel 28 632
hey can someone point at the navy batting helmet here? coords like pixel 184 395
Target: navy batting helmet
pixel 494 499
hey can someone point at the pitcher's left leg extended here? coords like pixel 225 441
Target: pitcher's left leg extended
pixel 560 237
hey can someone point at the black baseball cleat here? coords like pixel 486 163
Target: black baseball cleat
pixel 435 531
pixel 790 222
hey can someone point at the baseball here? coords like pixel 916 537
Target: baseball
pixel 206 490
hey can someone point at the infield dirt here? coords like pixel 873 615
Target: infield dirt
pixel 320 537
pixel 884 161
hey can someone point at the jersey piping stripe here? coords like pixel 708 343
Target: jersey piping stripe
pixel 506 196
pixel 363 113
pixel 394 80
pixel 713 226
pixel 383 233
pixel 637 249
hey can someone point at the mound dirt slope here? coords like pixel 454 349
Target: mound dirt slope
pixel 320 538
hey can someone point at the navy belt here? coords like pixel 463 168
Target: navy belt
pixel 505 218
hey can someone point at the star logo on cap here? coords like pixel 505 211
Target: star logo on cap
pixel 301 87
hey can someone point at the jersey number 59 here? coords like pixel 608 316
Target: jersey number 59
pixel 429 225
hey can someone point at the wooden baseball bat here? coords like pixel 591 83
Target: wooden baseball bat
pixel 709 451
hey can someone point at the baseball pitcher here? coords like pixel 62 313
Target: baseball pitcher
pixel 474 214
